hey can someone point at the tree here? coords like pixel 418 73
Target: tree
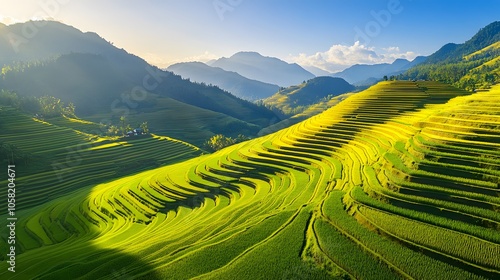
pixel 128 128
pixel 69 110
pixel 385 78
pixel 50 106
pixel 241 138
pixel 219 141
pixel 123 125
pixel 144 127
pixel 113 130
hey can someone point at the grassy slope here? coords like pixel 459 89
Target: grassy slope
pixel 320 199
pixel 308 112
pixel 198 124
pixel 490 64
pixel 476 68
pixel 295 99
pixel 63 158
pixel 492 47
pixel 110 86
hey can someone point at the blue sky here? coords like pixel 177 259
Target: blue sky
pixel 313 33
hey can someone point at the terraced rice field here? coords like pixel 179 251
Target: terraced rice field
pixel 398 181
pixel 62 158
pixel 198 124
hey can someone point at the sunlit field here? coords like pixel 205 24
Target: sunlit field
pixel 398 181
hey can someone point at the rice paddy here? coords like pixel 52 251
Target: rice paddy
pixel 398 181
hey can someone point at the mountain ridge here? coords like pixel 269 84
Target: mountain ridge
pixel 103 79
pixel 455 63
pixel 264 68
pixel 364 74
pixel 453 52
pixel 294 99
pixel 230 81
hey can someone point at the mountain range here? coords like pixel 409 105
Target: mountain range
pixel 317 71
pixel 452 52
pixel 232 82
pixel 104 81
pixel 398 181
pixel 265 69
pixel 472 65
pixel 363 74
pixel 244 73
pixel 85 69
pixel 52 39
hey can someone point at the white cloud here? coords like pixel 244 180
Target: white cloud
pixel 339 57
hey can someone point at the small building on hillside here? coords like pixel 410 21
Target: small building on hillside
pixel 135 132
pixel 138 131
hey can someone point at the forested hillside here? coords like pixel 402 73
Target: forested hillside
pixel 472 65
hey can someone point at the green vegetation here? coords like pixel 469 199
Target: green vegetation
pixel 105 83
pixel 472 65
pixel 232 82
pixel 106 86
pixel 296 99
pixel 181 121
pixel 219 141
pixel 41 107
pixel 56 157
pixel 397 181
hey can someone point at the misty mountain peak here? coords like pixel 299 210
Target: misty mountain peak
pixel 269 70
pixel 247 54
pixel 400 61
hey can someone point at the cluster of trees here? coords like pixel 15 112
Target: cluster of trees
pixel 289 110
pixel 123 127
pixel 481 77
pixel 297 99
pixel 219 141
pixel 22 66
pixel 45 106
pixel 49 106
pixel 465 74
pixel 278 111
pixel 479 69
pixel 445 72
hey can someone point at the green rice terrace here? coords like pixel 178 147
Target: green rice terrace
pixel 400 181
pixel 57 156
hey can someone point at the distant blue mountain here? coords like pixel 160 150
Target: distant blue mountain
pixel 230 81
pixel 269 70
pixel 363 74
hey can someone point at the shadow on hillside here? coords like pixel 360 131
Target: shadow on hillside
pixel 98 263
pixel 371 112
pixel 224 188
pixel 88 261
